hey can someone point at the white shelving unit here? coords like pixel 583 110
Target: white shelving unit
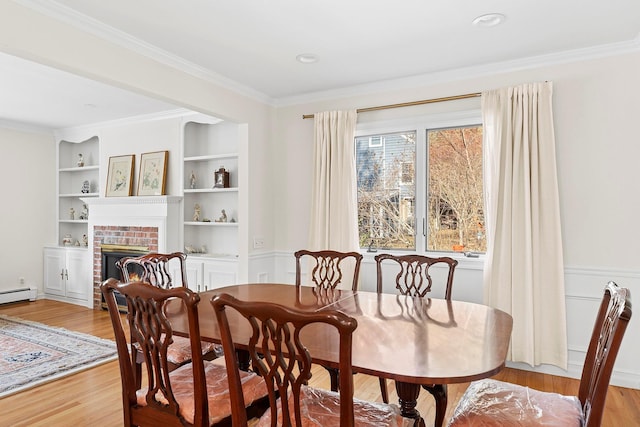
pixel 71 178
pixel 67 264
pixel 211 245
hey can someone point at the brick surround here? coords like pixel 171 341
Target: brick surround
pixel 122 236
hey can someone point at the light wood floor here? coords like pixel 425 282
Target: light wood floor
pixel 93 397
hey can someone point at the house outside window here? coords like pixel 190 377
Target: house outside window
pixel 421 189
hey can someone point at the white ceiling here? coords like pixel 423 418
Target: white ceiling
pixel 251 45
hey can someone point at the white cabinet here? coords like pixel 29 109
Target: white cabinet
pixel 78 176
pixel 67 276
pixel 207 147
pixel 211 273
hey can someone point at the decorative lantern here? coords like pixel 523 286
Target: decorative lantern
pixel 222 178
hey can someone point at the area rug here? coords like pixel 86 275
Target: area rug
pixel 32 353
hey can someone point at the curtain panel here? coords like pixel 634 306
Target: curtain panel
pixel 334 204
pixel 524 273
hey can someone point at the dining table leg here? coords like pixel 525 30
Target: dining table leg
pixel 408 400
pixel 244 360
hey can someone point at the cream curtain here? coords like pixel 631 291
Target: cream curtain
pixel 523 272
pixel 334 214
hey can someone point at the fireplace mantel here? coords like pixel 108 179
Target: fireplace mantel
pixel 163 212
pixel 151 221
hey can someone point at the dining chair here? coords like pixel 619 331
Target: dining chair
pixel 154 268
pixel 158 270
pixel 196 393
pixel 492 402
pixel 414 277
pixel 327 271
pixel 279 341
pixel 327 268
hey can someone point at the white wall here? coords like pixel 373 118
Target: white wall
pixel 27 218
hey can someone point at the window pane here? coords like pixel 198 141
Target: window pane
pixel 455 203
pixel 386 190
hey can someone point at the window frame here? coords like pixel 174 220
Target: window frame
pixel 421 124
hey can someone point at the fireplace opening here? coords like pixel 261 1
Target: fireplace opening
pixel 110 255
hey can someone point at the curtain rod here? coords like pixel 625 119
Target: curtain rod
pixel 409 104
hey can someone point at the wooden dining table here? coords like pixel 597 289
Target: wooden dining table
pixel 410 340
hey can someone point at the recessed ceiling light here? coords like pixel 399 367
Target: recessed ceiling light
pixel 489 20
pixel 307 58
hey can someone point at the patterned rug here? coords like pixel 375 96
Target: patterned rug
pixel 32 353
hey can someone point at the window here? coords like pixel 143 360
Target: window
pixel 422 189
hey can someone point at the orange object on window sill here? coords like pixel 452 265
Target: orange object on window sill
pixel 458 248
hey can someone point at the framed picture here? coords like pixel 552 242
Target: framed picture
pixel 120 176
pixel 153 173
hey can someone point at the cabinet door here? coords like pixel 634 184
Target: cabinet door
pixel 218 274
pixel 54 272
pixel 194 274
pixel 78 277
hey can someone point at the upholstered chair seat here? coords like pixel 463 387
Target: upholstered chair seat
pixel 217 390
pixel 321 408
pixel 491 403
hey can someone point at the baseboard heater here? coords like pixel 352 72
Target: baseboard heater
pixel 15 295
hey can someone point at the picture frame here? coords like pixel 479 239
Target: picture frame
pixel 120 176
pixel 152 179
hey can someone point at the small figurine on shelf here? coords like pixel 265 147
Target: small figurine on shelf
pixel 85 240
pixel 192 180
pixel 72 213
pixel 86 187
pixel 80 160
pixel 196 212
pixel 84 213
pixel 223 217
pixel 67 240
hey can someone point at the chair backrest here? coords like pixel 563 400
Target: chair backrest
pixel 327 268
pixel 275 339
pixel 611 323
pixel 414 275
pixel 154 268
pixel 151 331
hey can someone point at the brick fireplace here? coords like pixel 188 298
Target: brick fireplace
pixel 138 224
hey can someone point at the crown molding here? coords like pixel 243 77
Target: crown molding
pixel 85 23
pixel 466 73
pixel 163 115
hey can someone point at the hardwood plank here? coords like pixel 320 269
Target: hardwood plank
pixel 93 397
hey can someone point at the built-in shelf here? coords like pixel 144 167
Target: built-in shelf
pixel 211 157
pixel 208 146
pixel 211 190
pixel 211 224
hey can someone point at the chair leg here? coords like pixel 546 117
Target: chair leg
pixel 137 373
pixel 334 375
pixel 383 390
pixel 439 392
